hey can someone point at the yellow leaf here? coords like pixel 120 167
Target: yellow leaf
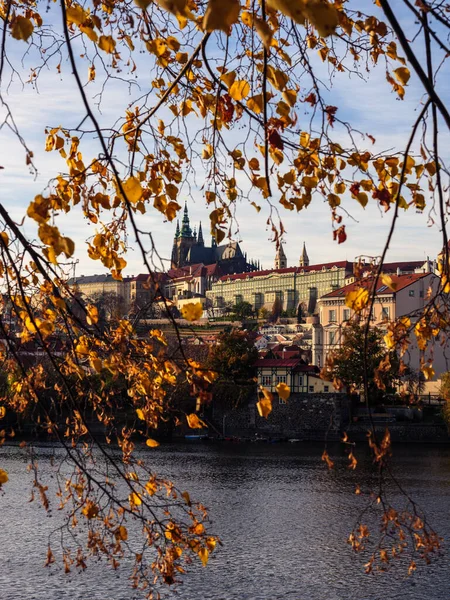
pixel 264 405
pixel 294 9
pixel 140 414
pixel 326 458
pixel 194 422
pixel 199 529
pixel 3 476
pixel 22 28
pixel 239 90
pixel 357 299
pixel 134 499
pixel 192 311
pixel 389 340
pixel 2 412
pixel 362 198
pixel 121 533
pixel 204 555
pixel 255 103
pixel 304 139
pixel 91 34
pixel 387 280
pixel 187 498
pixel 221 15
pixel 323 16
pixel 107 43
pixel 90 510
pixel 265 33
pixel 152 443
pixel 290 96
pixel 283 391
pixel 428 371
pixel 92 314
pixel 133 189
pixel 402 75
pixel 76 14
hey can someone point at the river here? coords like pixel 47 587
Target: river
pixel 282 516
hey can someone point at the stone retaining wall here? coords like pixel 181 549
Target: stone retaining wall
pixel 303 416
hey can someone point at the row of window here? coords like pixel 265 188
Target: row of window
pixel 332 314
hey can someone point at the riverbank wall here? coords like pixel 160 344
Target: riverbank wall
pixel 303 416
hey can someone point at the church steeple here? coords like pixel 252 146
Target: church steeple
pixel 186 227
pixel 200 240
pixel 177 232
pixel 304 260
pixel 280 258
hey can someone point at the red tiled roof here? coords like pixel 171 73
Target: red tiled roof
pixel 402 265
pixel 290 363
pixel 197 270
pixel 146 277
pixel 401 282
pixel 340 265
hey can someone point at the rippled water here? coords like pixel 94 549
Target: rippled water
pixel 283 519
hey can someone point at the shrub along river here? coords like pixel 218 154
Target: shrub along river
pixel 282 516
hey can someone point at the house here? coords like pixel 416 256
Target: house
pixel 291 371
pixel 261 342
pixel 409 298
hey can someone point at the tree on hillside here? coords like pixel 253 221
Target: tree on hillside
pixel 347 367
pixel 243 310
pixel 277 309
pixel 233 356
pixel 166 97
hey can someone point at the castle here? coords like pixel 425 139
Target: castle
pixel 189 249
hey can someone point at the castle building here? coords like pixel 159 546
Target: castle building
pixel 189 249
pixel 297 288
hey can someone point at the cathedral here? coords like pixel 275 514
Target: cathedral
pixel 189 249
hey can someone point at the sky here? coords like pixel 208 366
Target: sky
pixel 369 105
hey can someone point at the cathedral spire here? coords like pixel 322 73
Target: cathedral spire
pixel 186 227
pixel 177 232
pixel 304 260
pixel 200 235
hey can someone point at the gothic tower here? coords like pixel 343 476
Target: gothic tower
pixel 280 258
pixel 182 242
pixel 304 260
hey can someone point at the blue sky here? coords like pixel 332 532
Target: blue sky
pixel 369 105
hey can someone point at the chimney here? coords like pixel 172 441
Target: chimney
pixel 398 270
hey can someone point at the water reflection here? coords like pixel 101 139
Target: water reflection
pixel 282 517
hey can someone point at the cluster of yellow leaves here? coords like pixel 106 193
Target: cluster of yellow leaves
pixel 192 311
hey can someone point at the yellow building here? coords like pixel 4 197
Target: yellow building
pixel 293 286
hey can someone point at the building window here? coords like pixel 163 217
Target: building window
pixel 300 381
pixel 311 388
pixel 326 388
pixel 267 380
pixel 421 293
pixel 281 379
pixel 331 338
pixel 385 313
pixel 332 316
pixel 346 314
pixel 411 293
